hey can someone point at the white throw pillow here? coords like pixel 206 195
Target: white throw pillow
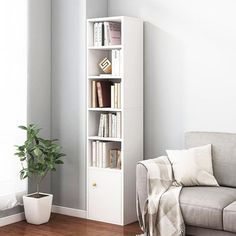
pixel 193 166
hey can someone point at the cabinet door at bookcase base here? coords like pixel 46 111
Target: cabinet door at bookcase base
pixel 105 196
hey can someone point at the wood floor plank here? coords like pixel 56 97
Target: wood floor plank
pixel 61 225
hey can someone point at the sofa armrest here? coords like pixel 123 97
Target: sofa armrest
pixel 141 184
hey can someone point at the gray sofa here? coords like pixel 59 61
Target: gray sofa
pixel 207 211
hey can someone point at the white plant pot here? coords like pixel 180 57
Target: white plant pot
pixel 37 210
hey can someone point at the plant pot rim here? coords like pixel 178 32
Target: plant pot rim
pixel 30 194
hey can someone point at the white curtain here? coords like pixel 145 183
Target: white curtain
pixel 13 98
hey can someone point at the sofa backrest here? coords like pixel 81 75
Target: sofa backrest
pixel 223 153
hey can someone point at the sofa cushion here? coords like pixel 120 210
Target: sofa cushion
pixel 203 206
pixel 223 154
pixel 229 217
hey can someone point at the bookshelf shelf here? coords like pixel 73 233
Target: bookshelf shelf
pixel 105 109
pixel 105 169
pixel 98 77
pixel 105 47
pixel 104 139
pixel 111 191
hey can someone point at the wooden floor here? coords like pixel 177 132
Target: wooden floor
pixel 60 225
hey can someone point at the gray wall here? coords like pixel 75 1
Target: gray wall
pixel 69 96
pixel 189 67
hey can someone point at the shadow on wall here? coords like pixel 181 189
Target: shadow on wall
pixel 163 91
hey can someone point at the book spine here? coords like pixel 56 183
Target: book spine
pixel 116 95
pixel 112 96
pixel 95 34
pixel 105 125
pixel 100 154
pixel 119 95
pixel 118 125
pixel 99 93
pixel 105 33
pixel 97 153
pixel 99 34
pixel 100 128
pixel 94 154
pixel 110 124
pixel 113 125
pixel 118 165
pixel 118 62
pixel 113 158
pixel 103 36
pixel 105 162
pixel 94 94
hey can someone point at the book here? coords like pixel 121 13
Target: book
pixel 113 121
pixel 114 33
pixel 100 128
pixel 115 158
pixel 112 96
pixel 115 61
pixel 95 34
pixel 118 125
pixel 107 146
pixel 97 153
pixel 100 150
pixel 105 122
pixel 118 164
pixel 119 95
pixel 110 124
pixel 94 94
pixel 104 93
pixel 94 154
pixel 99 32
pixel 116 96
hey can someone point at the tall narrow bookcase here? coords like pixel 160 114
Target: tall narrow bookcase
pixel 111 191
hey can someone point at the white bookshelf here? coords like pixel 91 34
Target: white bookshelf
pixel 111 192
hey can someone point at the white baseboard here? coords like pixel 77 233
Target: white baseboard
pixel 12 219
pixel 69 211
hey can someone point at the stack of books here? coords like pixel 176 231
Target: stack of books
pixel 105 94
pixel 106 33
pixel 110 125
pixel 106 154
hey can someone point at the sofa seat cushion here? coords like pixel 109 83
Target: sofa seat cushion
pixel 229 217
pixel 203 206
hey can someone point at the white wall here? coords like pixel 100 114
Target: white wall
pixel 189 65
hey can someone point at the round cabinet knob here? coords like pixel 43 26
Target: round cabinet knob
pixel 94 184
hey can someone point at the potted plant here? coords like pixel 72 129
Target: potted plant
pixel 38 156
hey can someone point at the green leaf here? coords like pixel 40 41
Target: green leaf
pixel 22 127
pixel 59 162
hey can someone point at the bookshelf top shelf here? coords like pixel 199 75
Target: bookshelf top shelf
pixel 104 139
pixel 113 18
pixel 110 47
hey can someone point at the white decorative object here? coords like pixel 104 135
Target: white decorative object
pixel 37 210
pixel 111 191
pixel 193 166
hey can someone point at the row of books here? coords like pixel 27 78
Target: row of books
pixel 106 154
pixel 106 33
pixel 110 125
pixel 105 94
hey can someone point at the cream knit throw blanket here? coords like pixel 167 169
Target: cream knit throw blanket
pixel 161 215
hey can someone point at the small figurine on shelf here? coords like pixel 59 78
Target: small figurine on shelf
pixel 105 65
